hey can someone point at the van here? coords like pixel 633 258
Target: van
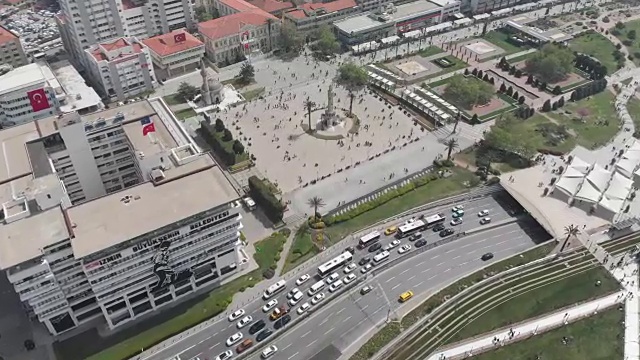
pixel 296 298
pixel 333 277
pixel 244 346
pixel 406 296
pixel 316 287
pixel 335 286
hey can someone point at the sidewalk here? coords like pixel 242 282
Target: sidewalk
pixel 627 274
pixel 529 329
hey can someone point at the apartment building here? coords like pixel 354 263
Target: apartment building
pixel 11 51
pixel 114 258
pixel 229 7
pixel 174 53
pixel 310 16
pixel 121 68
pixel 85 23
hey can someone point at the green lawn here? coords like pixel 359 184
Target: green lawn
pixel 430 51
pixel 598 46
pixel 252 94
pixel 545 299
pixel 303 248
pixel 216 302
pixel 534 127
pixel 634 49
pixel 599 337
pixel 185 113
pixel 500 39
pixel 633 106
pixel 173 99
pixel 598 127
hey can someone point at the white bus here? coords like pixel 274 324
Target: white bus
pixel 381 257
pixel 410 228
pixel 369 239
pixel 334 264
pixel 434 219
pixel 316 287
pixel 275 288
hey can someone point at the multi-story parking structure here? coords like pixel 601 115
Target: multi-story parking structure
pixel 114 257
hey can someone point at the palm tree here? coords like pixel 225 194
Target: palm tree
pixel 451 145
pixel 455 126
pixel 309 105
pixel 570 231
pixel 315 202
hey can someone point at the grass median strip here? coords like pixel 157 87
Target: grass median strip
pixel 597 337
pixel 130 342
pixel 391 331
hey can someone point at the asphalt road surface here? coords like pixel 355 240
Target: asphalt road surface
pixel 443 264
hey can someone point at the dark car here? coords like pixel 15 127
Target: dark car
pixel 415 236
pixel 487 256
pixel 421 243
pixel 264 334
pixel 446 232
pixel 351 249
pixel 438 228
pixel 257 326
pixel 364 260
pixel 282 322
pixel 375 247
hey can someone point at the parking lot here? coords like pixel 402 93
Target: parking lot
pixel 36 28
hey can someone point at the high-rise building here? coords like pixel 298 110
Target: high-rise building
pixel 86 23
pixel 172 229
pixel 11 51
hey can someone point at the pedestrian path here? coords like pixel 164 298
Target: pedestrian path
pixel 529 329
pixel 626 271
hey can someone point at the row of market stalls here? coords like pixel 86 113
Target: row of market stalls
pixel 385 73
pixel 382 82
pixel 427 107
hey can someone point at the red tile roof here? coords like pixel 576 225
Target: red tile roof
pixel 271 6
pixel 166 44
pixel 297 14
pixel 6 35
pixel 239 5
pixel 228 25
pixel 114 45
pixel 330 6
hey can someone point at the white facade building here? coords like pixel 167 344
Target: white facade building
pixel 123 255
pixel 121 68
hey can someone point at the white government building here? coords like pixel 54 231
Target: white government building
pixel 102 223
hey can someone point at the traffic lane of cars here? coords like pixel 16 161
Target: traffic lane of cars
pixel 337 323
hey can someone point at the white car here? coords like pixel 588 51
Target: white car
pixel 270 305
pixel 236 315
pixel 333 277
pixel 457 208
pixel 366 268
pixel 244 321
pixel 392 244
pixel 225 355
pixel 350 268
pixel 483 213
pixel 249 203
pixel 456 221
pixel 303 279
pixel 292 293
pixel 303 308
pixel 316 299
pixel 404 249
pixel 234 339
pixel 268 352
pixel 485 220
pixel 295 299
pixel 335 286
pixel 349 278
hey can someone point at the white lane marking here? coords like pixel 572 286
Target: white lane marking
pixel 405 271
pixel 286 347
pixel 187 349
pixel 380 308
pixel 364 307
pixel 432 277
pixel 447 270
pixel 214 345
pixel 442 263
pixel 435 256
pixel 339 311
pixel 418 284
pixel 426 270
pixel 411 278
pixel 457 257
pixel 390 279
pixel 346 319
pixel 305 334
pixel 324 321
pixel 328 331
pixel 294 355
pixel 393 288
pixel 311 343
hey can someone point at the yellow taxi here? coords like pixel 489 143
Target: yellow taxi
pixel 406 296
pixel 391 230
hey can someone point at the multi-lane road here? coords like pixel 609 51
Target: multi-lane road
pixel 346 318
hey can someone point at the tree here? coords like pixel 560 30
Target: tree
pixel 474 119
pixel 480 74
pixel 237 147
pixel 570 231
pixel 354 78
pixel 327 43
pixel 219 125
pixel 485 77
pixel 202 14
pixel 561 101
pixel 509 91
pixel 467 92
pixel 503 137
pixel 187 91
pixel 583 112
pixel 503 88
pixel 290 39
pixel 247 73
pixel 516 95
pixel 226 135
pixel 557 90
pixel 309 106
pixel 631 35
pixel 551 63
pixel 546 106
pixel 521 100
pixel 474 72
pixel 451 145
pixel 315 203
pixel 529 79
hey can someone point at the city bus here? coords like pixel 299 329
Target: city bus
pixel 434 219
pixel 410 228
pixel 274 289
pixel 381 257
pixel 334 264
pixel 369 239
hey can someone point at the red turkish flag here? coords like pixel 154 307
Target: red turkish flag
pixel 38 100
pixel 180 37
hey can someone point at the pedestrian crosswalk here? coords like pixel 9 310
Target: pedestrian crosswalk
pixel 470 132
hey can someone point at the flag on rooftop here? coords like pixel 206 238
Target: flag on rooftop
pixel 147 125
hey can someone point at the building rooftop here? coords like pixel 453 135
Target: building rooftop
pixel 328 7
pixel 43 229
pixel 239 5
pixel 360 23
pixel 23 76
pixel 232 24
pixel 398 13
pixel 166 44
pixel 112 219
pixel 272 6
pixel 6 35
pixel 101 52
pixel 13 153
pixel 78 94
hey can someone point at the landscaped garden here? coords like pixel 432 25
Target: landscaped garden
pixel 430 51
pixel 596 45
pixel 501 39
pixel 628 33
pixel 599 337
pixel 221 141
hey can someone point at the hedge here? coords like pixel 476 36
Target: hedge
pixel 388 196
pixel 263 196
pixel 210 135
